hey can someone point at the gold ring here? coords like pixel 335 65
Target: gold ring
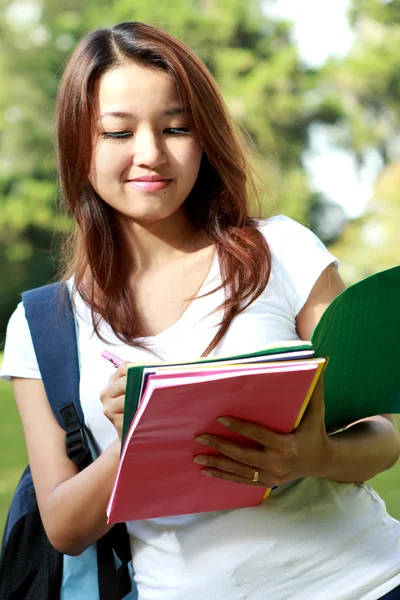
pixel 256 475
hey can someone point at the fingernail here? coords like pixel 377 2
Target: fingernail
pixel 224 421
pixel 200 460
pixel 207 473
pixel 203 440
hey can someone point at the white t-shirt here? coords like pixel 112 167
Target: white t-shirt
pixel 312 539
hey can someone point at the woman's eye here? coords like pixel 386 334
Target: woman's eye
pixel 117 135
pixel 178 131
pixel 123 135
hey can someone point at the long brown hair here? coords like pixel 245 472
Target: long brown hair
pixel 218 204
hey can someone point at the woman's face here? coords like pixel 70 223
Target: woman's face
pixel 146 158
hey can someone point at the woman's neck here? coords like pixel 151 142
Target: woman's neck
pixel 151 245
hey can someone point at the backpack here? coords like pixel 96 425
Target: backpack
pixel 30 568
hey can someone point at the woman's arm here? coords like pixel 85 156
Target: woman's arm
pixel 363 450
pixel 72 504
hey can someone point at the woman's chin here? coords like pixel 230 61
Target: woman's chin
pixel 150 217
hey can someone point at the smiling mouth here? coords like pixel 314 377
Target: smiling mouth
pixel 149 185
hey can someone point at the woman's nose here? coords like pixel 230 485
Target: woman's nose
pixel 148 150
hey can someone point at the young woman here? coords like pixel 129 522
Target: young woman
pixel 166 261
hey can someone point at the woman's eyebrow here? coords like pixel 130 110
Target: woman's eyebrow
pixel 177 110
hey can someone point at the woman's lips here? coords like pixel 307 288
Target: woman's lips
pixel 150 186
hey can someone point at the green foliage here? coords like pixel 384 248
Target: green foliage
pixel 376 234
pixel 386 12
pixel 366 84
pixel 366 88
pixel 13 458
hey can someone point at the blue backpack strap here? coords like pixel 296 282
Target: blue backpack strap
pixel 51 322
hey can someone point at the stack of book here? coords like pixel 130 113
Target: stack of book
pixel 168 405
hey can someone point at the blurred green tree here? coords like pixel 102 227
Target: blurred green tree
pixel 365 87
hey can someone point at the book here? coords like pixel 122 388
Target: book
pixel 156 475
pixel 137 374
pixel 357 334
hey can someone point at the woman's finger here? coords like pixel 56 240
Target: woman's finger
pixel 248 456
pixel 235 478
pixel 121 371
pixel 114 407
pixel 224 463
pixel 274 475
pixel 258 433
pixel 114 389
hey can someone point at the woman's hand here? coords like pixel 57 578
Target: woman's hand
pixel 113 397
pixel 283 457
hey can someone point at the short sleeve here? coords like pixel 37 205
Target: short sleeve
pixel 19 356
pixel 301 257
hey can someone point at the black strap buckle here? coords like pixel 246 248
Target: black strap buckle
pixel 77 447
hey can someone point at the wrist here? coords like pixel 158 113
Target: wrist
pixel 117 448
pixel 114 450
pixel 328 459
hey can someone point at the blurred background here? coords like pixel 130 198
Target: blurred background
pixel 315 84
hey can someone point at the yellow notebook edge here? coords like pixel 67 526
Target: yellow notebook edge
pixel 321 367
pixel 322 362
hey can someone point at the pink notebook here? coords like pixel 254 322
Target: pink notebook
pixel 157 476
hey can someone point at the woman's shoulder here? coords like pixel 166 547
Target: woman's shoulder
pixel 18 324
pixel 281 229
pixel 298 257
pixel 19 357
pixel 292 243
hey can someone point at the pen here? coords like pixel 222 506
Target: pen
pixel 117 362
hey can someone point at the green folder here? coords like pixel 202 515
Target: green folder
pixel 359 333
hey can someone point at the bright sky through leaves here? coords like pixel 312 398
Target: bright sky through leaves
pixel 321 31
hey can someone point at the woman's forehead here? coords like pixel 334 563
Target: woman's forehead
pixel 134 86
